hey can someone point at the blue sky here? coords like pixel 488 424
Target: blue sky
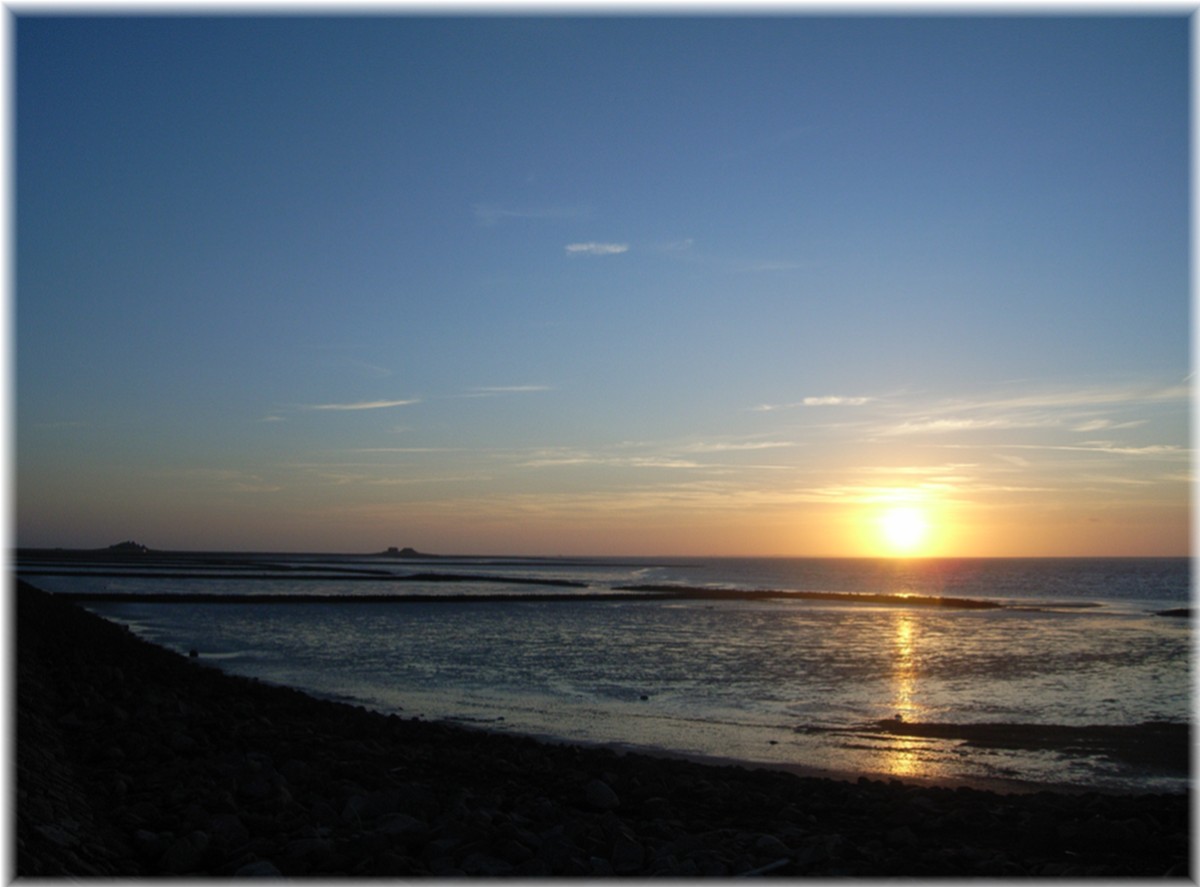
pixel 602 285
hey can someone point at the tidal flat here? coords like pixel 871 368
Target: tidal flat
pixel 133 760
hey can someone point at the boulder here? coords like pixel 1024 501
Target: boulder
pixel 600 796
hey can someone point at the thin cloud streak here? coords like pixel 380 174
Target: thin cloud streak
pixel 410 450
pixel 1052 407
pixel 360 405
pixel 492 390
pixel 1164 450
pixel 611 461
pixel 1078 410
pixel 677 246
pixel 828 400
pixel 593 248
pixel 225 479
pixel 946 426
pixel 737 447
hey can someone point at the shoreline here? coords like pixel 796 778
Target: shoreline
pixel 992 785
pixel 133 761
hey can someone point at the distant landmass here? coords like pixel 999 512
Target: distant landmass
pixel 128 547
pixel 131 547
pixel 404 552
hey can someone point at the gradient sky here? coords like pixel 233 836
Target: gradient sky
pixel 575 285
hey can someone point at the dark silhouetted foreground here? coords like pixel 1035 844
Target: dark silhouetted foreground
pixel 133 760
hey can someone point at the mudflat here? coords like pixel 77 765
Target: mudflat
pixel 135 761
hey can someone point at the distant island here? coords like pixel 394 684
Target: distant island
pixel 393 551
pixel 128 547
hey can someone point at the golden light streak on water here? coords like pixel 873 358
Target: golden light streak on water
pixel 904 675
pixel 901 757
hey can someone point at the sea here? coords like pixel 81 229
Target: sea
pixel 812 664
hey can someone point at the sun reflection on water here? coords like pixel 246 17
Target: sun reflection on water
pixel 902 755
pixel 904 672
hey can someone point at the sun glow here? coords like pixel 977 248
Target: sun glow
pixel 904 529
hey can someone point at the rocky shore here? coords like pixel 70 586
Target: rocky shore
pixel 135 761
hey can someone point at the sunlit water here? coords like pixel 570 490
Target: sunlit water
pixel 1080 644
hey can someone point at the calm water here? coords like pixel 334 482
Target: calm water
pixel 1077 643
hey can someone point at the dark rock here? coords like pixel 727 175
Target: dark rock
pixel 58 835
pixel 149 844
pixel 901 837
pixel 533 868
pixel 183 744
pixel 228 830
pixel 185 855
pixel 445 867
pixel 398 824
pixel 600 868
pixel 657 808
pixel 354 810
pixel 769 845
pixel 260 868
pixel 513 851
pixel 599 796
pixel 294 771
pixel 481 864
pixel 627 854
pixel 321 812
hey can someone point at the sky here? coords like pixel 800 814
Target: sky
pixel 568 285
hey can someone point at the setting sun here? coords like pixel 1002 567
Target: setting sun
pixel 904 529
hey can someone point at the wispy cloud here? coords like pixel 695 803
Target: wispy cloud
pixel 1167 451
pixel 1069 409
pixel 947 426
pixel 828 400
pixel 493 390
pixel 375 474
pixel 410 450
pixel 834 401
pixel 942 470
pixel 593 248
pixel 370 370
pixel 677 246
pixel 1107 425
pixel 361 405
pixel 1011 459
pixel 489 214
pixel 1070 398
pixel 737 447
pixel 703 456
pixel 560 456
pixel 225 480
